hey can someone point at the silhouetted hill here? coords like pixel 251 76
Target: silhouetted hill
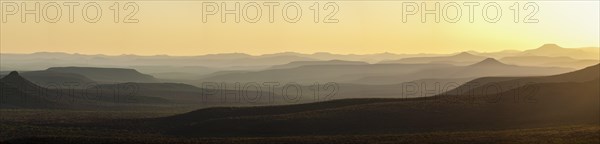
pixel 555 104
pixel 458 59
pixel 106 74
pixel 16 91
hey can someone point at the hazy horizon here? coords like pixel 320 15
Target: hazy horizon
pixel 283 52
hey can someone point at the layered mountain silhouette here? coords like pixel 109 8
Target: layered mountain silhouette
pixel 106 74
pixel 322 73
pixel 307 63
pixel 18 92
pixel 225 61
pixel 572 101
pixel 458 59
pixel 182 68
pixel 486 67
pixel 549 61
pixel 494 85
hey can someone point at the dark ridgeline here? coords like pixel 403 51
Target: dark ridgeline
pixel 566 99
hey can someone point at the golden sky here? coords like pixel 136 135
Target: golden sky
pixel 176 28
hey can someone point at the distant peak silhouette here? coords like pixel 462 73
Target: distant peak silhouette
pixel 489 62
pixel 14 78
pixel 464 54
pixel 14 75
pixel 550 46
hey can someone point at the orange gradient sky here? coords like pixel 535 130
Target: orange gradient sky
pixel 176 28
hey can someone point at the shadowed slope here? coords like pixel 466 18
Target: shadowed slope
pixel 554 104
pixel 500 84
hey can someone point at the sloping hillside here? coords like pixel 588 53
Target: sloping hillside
pixel 554 104
pixel 492 85
pixel 485 68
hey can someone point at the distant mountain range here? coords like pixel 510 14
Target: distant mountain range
pixel 180 68
pixel 546 55
pixel 384 73
pixel 486 67
pixel 322 73
pixel 550 61
pixel 458 59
